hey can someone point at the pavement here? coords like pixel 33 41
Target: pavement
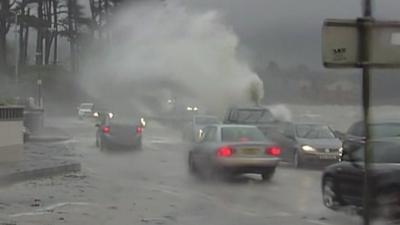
pixel 46 154
pixel 153 187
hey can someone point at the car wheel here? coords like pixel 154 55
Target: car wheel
pixel 388 205
pixel 329 196
pixel 267 175
pixel 297 163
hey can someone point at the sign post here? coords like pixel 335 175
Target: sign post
pixel 363 43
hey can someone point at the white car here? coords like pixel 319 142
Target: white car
pixel 85 110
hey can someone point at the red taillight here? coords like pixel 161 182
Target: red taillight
pixel 106 130
pixel 274 151
pixel 224 151
pixel 139 130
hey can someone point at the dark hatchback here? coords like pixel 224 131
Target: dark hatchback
pixel 308 143
pixel 119 133
pixel 343 183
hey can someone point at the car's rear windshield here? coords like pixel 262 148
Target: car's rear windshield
pixel 86 106
pixel 238 134
pixel 314 131
pixel 206 120
pixel 252 116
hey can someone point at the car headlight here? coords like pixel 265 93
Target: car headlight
pixel 189 108
pixel 341 151
pixel 111 115
pixel 308 148
pixel 96 114
pixel 195 109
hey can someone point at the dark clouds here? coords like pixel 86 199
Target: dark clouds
pixel 287 31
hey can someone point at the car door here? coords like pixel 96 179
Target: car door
pixel 350 177
pixel 201 153
pixel 287 141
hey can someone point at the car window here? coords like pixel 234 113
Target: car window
pixel 206 120
pixel 86 106
pixel 378 130
pixel 236 134
pixel 288 130
pixel 382 152
pixel 210 134
pixel 310 131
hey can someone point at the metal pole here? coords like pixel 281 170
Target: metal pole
pixel 16 49
pixel 364 36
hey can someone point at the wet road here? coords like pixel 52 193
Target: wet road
pixel 153 186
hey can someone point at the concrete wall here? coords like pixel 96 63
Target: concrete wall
pixel 11 136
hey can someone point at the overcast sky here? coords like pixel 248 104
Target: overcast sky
pixel 287 31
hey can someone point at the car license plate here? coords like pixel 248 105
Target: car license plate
pixel 249 151
pixel 327 156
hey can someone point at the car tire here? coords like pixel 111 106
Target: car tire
pixel 297 162
pixel 267 175
pixel 329 196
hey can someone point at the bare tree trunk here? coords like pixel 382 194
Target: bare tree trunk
pixel 71 36
pixel 5 7
pixel 55 26
pixel 21 38
pixel 26 38
pixel 39 40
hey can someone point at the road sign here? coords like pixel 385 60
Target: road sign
pixel 341 47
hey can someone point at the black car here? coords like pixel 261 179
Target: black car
pixel 343 183
pixel 355 135
pixel 308 143
pixel 119 132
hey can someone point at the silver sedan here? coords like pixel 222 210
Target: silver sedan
pixel 233 149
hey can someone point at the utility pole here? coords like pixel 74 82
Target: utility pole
pixel 364 51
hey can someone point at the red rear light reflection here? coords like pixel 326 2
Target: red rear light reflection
pixel 139 130
pixel 224 151
pixel 106 130
pixel 274 151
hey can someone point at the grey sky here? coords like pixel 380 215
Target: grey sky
pixel 287 31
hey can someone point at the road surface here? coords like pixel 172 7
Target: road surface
pixel 153 186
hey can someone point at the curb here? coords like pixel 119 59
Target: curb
pixel 48 139
pixel 39 173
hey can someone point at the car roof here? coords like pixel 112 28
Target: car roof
pixel 381 121
pixel 204 116
pixel 310 123
pixel 250 108
pixel 387 139
pixel 233 125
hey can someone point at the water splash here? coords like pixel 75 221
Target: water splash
pixel 158 47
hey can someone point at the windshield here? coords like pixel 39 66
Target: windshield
pixel 314 132
pixel 240 134
pixel 206 120
pixel 253 116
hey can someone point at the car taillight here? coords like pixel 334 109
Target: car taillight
pixel 139 130
pixel 224 151
pixel 274 151
pixel 106 130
